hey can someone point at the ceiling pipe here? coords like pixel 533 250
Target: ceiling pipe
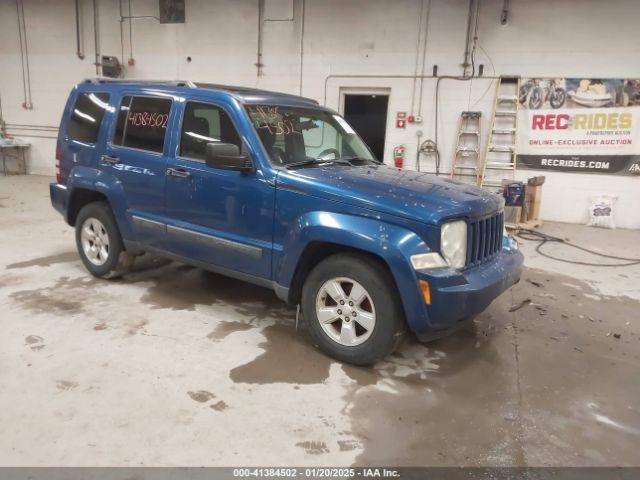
pixel 130 60
pixel 259 63
pixel 408 77
pixel 121 31
pixel 30 135
pixel 27 103
pixel 467 40
pixel 302 18
pixel 96 38
pixel 504 15
pixel 424 57
pixel 471 38
pixel 129 18
pixel 79 51
pixel 26 126
pixel 261 21
pixel 415 70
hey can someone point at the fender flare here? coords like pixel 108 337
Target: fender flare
pixel 392 243
pixel 111 187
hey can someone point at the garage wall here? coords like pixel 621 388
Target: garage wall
pixel 578 38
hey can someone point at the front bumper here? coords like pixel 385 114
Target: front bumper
pixel 457 296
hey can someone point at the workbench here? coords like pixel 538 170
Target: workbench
pixel 20 148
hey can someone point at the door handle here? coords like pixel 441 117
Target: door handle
pixel 178 172
pixel 109 159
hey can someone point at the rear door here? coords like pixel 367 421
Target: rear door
pixel 136 154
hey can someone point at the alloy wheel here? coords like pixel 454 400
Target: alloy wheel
pixel 345 311
pixel 95 241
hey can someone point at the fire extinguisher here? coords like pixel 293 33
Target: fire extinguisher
pixel 398 156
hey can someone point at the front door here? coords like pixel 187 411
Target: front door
pixel 136 156
pixel 219 217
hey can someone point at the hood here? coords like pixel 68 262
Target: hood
pixel 405 193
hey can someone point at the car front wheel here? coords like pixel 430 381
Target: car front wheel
pixel 352 310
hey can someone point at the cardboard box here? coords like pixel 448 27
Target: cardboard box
pixel 512 214
pixel 532 200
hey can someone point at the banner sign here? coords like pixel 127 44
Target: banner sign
pixel 579 125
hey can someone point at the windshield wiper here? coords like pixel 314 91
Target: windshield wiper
pixel 315 161
pixel 360 159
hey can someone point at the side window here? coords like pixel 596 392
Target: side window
pixel 142 123
pixel 86 116
pixel 202 124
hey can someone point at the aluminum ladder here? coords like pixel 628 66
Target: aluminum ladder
pixel 465 165
pixel 500 157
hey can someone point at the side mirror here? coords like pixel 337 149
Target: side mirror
pixel 227 156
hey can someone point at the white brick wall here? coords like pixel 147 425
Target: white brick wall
pixel 587 38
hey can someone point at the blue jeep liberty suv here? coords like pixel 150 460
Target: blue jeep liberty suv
pixel 277 190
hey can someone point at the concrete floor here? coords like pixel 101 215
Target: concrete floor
pixel 175 366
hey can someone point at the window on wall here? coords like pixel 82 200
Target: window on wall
pixel 86 116
pixel 142 123
pixel 202 124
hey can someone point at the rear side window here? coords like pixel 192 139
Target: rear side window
pixel 142 123
pixel 202 124
pixel 86 116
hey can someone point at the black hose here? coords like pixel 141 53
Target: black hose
pixel 544 238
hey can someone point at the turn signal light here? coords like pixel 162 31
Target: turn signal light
pixel 426 291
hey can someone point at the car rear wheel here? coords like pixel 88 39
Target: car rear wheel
pixel 352 310
pixel 98 241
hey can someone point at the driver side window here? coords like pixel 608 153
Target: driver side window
pixel 204 123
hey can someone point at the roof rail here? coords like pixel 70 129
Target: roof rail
pixel 249 90
pixel 234 90
pixel 173 83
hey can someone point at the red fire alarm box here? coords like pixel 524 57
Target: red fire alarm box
pixel 401 119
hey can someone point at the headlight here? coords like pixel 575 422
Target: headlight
pixel 453 243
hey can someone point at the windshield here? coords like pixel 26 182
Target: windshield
pixel 295 136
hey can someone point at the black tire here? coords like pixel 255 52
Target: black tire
pixel 536 98
pixel 380 286
pixel 117 261
pixel 557 98
pixel 523 94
